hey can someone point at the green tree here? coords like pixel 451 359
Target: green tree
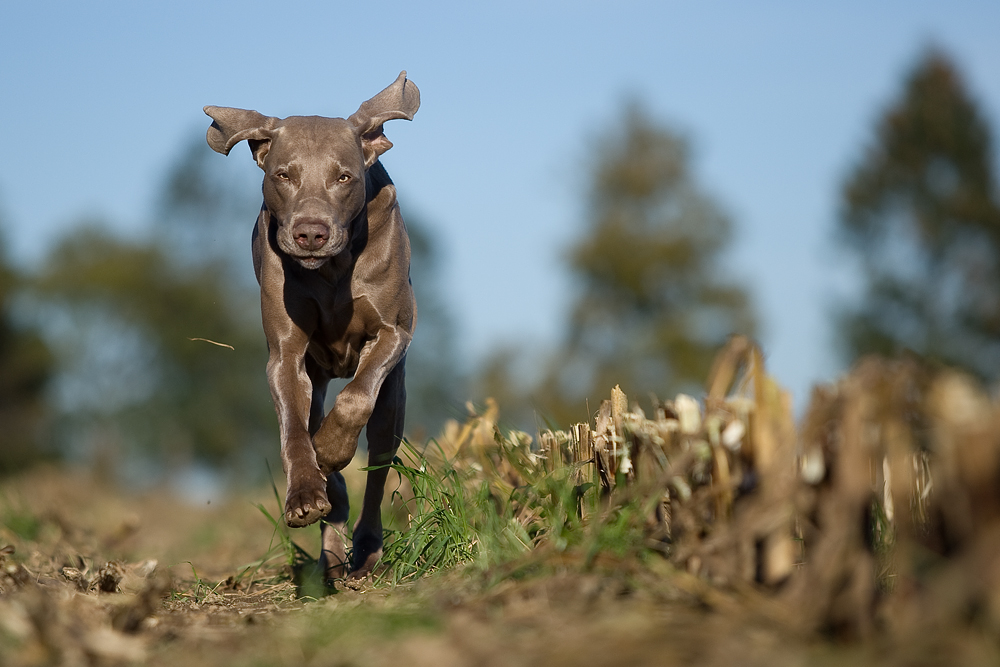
pixel 654 303
pixel 434 378
pixel 130 320
pixel 205 214
pixel 920 212
pixel 126 319
pixel 26 366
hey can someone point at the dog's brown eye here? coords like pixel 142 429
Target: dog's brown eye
pixel 281 176
pixel 344 178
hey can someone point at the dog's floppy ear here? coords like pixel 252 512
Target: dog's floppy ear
pixel 400 100
pixel 231 126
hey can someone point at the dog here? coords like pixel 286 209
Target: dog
pixel 332 258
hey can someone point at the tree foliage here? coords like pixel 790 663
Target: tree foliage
pixel 26 366
pixel 130 320
pixel 654 301
pixel 126 320
pixel 434 378
pixel 920 211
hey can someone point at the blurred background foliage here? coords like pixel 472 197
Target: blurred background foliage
pixel 653 298
pixel 100 361
pixel 921 213
pixel 26 367
pixel 136 389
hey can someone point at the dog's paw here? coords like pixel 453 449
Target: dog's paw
pixel 367 552
pixel 306 502
pixel 366 568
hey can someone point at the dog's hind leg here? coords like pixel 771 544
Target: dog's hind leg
pixel 385 430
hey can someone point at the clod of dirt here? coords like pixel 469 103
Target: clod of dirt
pixel 77 577
pixel 232 584
pixel 358 584
pixel 12 575
pixel 109 576
pixel 129 618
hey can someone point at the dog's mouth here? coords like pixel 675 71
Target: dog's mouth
pixel 311 262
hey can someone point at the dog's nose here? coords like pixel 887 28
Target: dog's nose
pixel 311 235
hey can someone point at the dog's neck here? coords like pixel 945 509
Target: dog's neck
pixel 380 192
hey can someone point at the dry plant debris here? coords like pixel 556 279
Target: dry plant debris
pixel 881 513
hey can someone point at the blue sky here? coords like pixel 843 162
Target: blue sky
pixel 777 99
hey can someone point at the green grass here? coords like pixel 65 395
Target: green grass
pixel 22 523
pixel 439 532
pixel 201 590
pixel 447 513
pixel 462 515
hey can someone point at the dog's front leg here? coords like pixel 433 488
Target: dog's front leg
pixel 306 499
pixel 337 439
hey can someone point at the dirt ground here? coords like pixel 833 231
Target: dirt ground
pixel 95 576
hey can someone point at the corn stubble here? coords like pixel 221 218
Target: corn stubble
pixel 879 514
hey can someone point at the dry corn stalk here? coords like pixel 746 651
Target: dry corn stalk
pixel 885 505
pixel 701 465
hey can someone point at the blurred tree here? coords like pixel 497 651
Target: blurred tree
pixel 25 369
pixel 920 211
pixel 133 386
pixel 126 318
pixel 206 211
pixel 654 304
pixel 435 384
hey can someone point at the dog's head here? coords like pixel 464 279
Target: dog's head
pixel 314 167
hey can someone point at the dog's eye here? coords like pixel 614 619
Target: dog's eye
pixel 281 176
pixel 344 178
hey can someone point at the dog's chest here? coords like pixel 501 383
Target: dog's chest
pixel 342 334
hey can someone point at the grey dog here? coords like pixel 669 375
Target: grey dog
pixel 332 257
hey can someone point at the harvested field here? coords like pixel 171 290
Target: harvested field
pixel 710 531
